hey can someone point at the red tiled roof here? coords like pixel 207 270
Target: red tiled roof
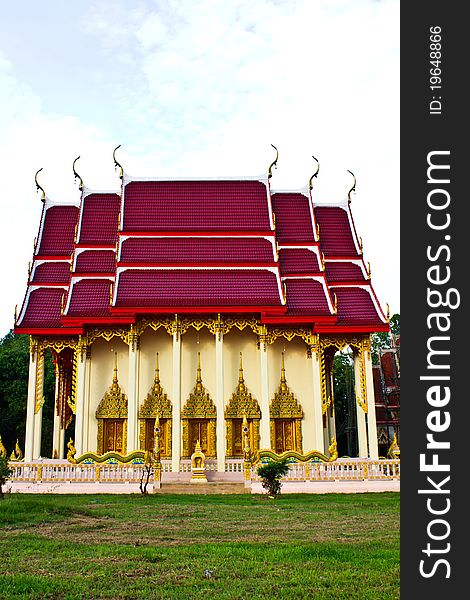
pixel 343 271
pixel 99 219
pixel 295 261
pixel 195 205
pixel 52 272
pixel 96 261
pixel 89 298
pixel 336 238
pixel 58 231
pixel 196 250
pixel 355 307
pixel 306 297
pixel 43 308
pixel 199 288
pixel 293 218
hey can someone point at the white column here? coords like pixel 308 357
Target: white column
pixel 56 421
pixel 133 397
pixel 176 434
pixel 30 406
pixel 317 438
pixel 265 442
pixel 219 400
pixel 80 401
pixel 371 418
pixel 37 434
pixel 86 403
pixel 62 443
pixel 39 399
pixel 360 414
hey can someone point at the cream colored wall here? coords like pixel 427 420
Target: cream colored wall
pixel 298 370
pixel 101 378
pixel 299 379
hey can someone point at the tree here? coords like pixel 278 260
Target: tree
pixel 5 473
pixel 383 339
pixel 14 365
pixel 271 474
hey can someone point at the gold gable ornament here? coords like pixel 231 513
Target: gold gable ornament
pixel 394 450
pixel 242 405
pixel 198 418
pixel 286 415
pixel 156 405
pixel 113 407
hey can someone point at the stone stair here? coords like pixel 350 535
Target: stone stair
pixel 211 487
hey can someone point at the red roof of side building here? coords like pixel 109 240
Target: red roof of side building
pixel 197 288
pixel 293 218
pixel 196 206
pixel 336 236
pixel 199 250
pixel 99 219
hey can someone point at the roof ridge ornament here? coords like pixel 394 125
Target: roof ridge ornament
pixel 310 182
pixel 77 176
pixel 274 163
pixel 38 187
pixel 353 189
pixel 117 165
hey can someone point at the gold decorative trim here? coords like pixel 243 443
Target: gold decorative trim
pixel 39 391
pixel 113 405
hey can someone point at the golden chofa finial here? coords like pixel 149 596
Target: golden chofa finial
pixel 16 313
pixel 38 187
pixel 310 183
pixel 369 270
pixel 387 312
pixel 118 165
pixel 77 176
pixel 274 163
pixel 353 189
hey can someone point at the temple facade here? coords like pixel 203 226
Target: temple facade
pixel 199 303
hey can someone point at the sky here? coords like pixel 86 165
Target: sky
pixel 200 89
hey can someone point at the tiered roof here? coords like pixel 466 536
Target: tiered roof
pixel 198 246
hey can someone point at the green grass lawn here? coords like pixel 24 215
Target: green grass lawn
pixel 328 546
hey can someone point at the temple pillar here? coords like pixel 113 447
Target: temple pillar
pixel 79 360
pixel 37 434
pixel 371 418
pixel 219 401
pixel 133 394
pixel 38 402
pixel 56 419
pixel 30 405
pixel 360 414
pixel 176 399
pixel 265 425
pixel 86 402
pixel 317 433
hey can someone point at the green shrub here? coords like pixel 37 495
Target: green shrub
pixel 5 473
pixel 271 474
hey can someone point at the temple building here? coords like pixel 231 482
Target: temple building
pixel 201 303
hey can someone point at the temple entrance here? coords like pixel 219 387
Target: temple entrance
pixel 165 448
pixel 236 441
pixel 284 435
pixel 113 438
pixel 198 432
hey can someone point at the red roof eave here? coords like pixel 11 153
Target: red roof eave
pixel 48 331
pixel 352 328
pixel 274 310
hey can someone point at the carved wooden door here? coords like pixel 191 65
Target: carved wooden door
pixel 285 435
pixel 113 435
pixel 198 431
